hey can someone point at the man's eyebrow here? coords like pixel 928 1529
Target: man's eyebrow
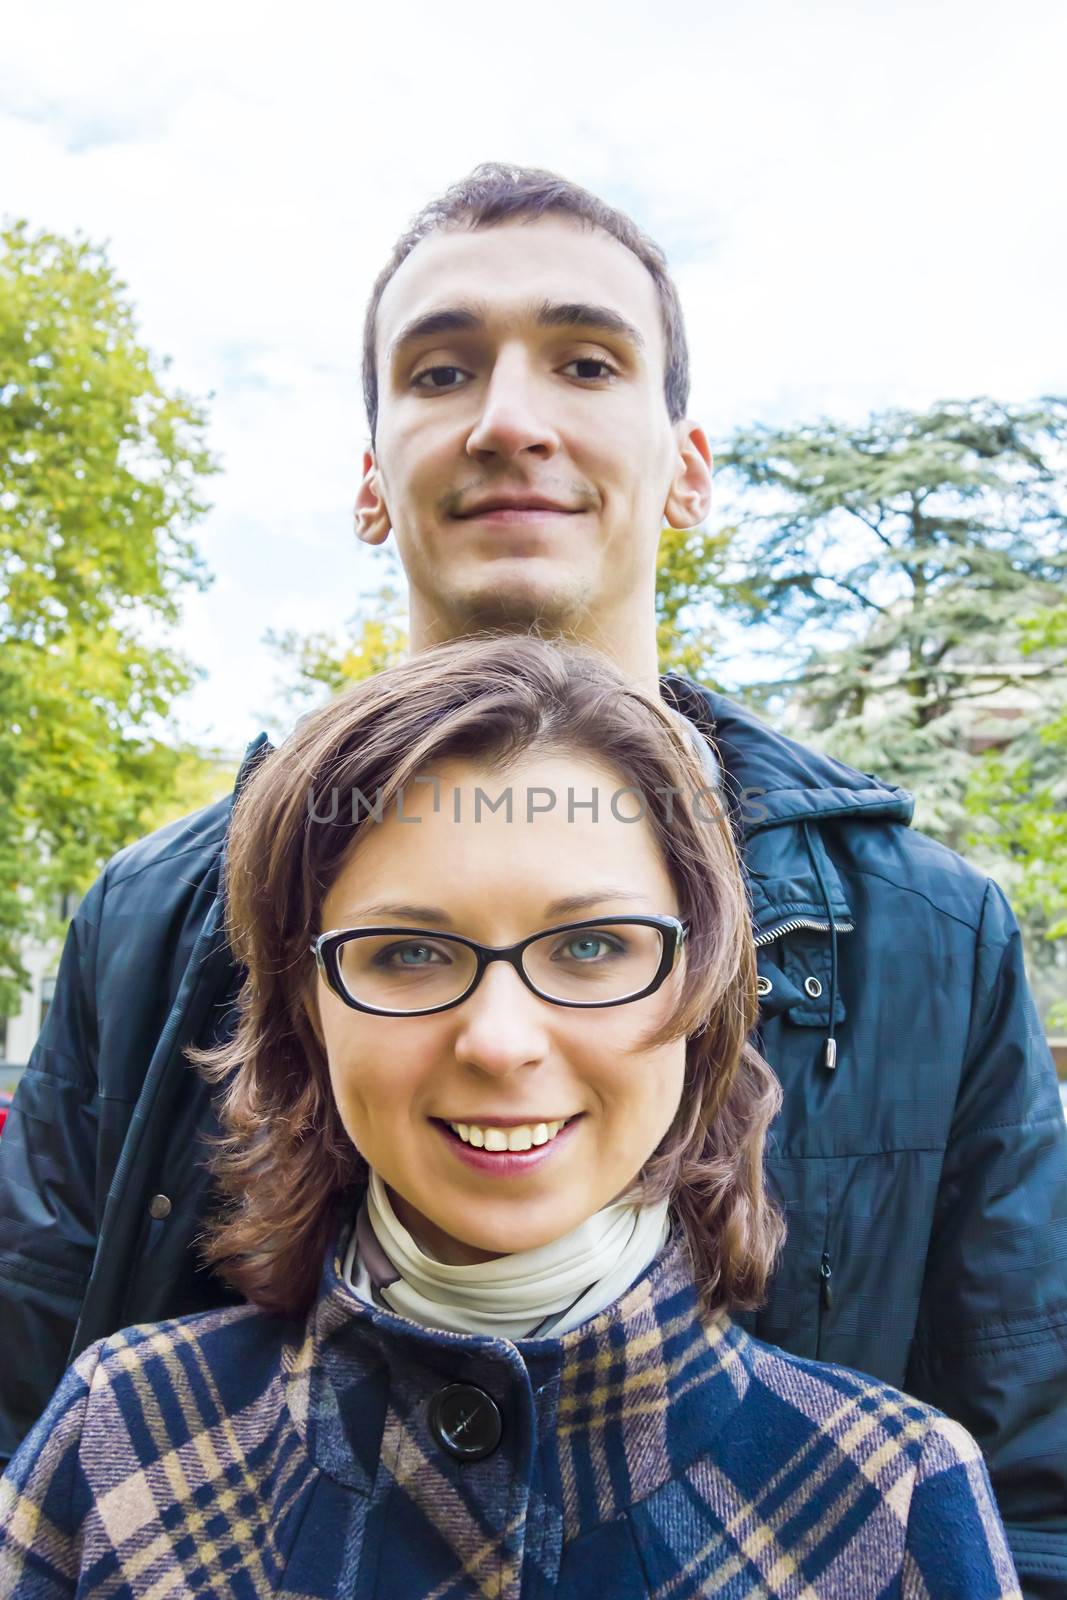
pixel 470 318
pixel 451 319
pixel 580 314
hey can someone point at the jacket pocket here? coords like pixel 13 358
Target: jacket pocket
pixel 879 1212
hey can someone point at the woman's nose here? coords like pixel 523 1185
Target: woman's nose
pixel 502 1026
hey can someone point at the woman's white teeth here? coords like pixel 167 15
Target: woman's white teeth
pixel 522 1138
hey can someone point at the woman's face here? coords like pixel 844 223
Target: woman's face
pixel 503 1056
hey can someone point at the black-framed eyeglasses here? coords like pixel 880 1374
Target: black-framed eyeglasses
pixel 411 972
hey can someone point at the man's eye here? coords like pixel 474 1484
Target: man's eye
pixel 591 367
pixel 437 378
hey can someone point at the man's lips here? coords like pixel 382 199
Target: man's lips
pixel 530 508
pixel 517 517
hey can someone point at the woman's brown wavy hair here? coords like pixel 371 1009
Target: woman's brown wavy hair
pixel 284 1164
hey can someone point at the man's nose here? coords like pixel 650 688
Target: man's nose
pixel 515 416
pixel 502 1027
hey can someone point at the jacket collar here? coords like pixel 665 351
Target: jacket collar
pixel 648 1381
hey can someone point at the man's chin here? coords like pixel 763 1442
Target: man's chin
pixel 521 606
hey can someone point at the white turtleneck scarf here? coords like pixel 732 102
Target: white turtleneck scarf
pixel 537 1293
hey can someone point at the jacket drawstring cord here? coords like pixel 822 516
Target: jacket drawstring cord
pixel 830 1047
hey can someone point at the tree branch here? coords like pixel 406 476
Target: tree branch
pixel 866 600
pixel 874 526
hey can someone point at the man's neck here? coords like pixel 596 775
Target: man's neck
pixel 628 642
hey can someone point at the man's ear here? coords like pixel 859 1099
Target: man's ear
pixel 689 500
pixel 371 514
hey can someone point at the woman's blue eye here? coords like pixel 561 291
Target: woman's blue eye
pixel 589 946
pixel 409 955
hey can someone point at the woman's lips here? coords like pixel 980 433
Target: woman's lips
pixel 505 1163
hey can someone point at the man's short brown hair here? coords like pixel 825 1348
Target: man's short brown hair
pixel 495 192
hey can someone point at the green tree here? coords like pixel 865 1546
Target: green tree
pixel 100 471
pixel 200 777
pixel 318 665
pixel 691 565
pixel 894 559
pixel 1017 798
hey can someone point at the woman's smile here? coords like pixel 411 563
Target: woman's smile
pixel 506 1150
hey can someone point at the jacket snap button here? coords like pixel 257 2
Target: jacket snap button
pixel 763 985
pixel 813 987
pixel 465 1422
pixel 159 1207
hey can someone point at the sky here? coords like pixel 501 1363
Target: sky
pixel 861 203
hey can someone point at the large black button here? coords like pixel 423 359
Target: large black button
pixel 465 1422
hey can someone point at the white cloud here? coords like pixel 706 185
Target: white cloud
pixel 861 201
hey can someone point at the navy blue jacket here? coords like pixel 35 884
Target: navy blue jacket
pixel 923 1175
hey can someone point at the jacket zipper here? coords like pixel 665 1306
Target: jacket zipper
pixel 826 1300
pixel 800 922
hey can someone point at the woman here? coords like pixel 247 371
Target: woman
pixel 492 1162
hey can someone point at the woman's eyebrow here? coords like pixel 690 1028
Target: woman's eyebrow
pixel 585 902
pixel 436 915
pixel 410 913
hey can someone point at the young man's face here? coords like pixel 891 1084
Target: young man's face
pixel 524 455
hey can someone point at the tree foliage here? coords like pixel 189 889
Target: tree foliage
pixel 1017 795
pixel 690 568
pixel 317 665
pixel 100 472
pixel 895 559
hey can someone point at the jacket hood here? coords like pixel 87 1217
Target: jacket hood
pixel 771 778
pixel 777 792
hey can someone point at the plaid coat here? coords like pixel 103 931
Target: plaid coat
pixel 643 1454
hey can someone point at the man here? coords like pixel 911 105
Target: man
pixel 525 374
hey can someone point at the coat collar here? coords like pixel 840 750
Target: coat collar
pixel 648 1381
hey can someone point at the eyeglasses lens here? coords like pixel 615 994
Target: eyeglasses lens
pixel 585 965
